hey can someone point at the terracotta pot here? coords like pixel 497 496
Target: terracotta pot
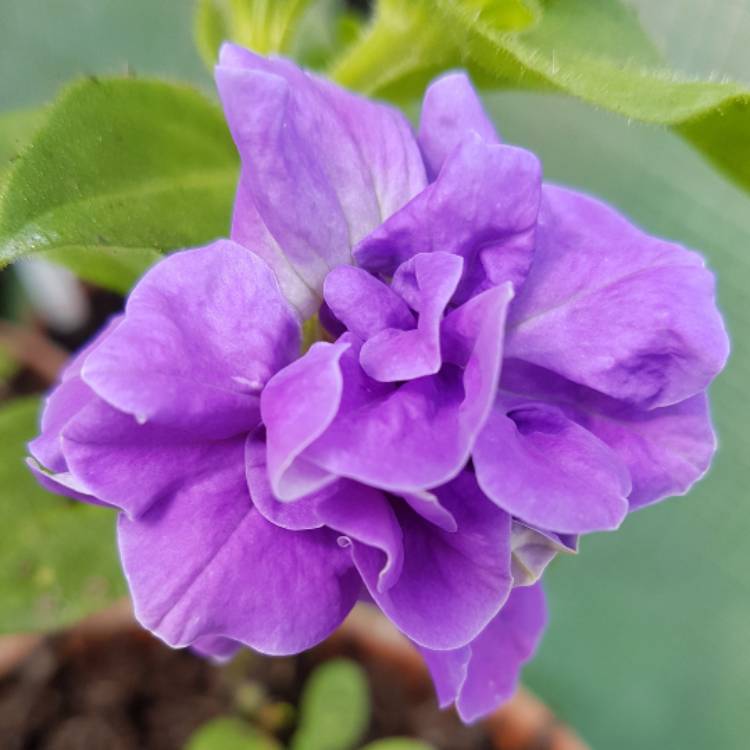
pixel 524 723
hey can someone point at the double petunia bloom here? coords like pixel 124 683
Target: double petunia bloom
pixel 499 366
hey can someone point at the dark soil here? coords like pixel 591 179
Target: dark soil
pixel 124 690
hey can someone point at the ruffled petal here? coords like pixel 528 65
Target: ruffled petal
pixel 363 303
pixel 297 405
pixel 353 510
pixel 666 450
pixel 65 400
pixel 612 308
pixel 483 206
pixel 205 564
pixel 483 675
pixel 64 403
pixel 417 436
pixel 451 584
pixel 203 332
pixel 63 483
pixel 130 465
pixel 344 163
pixel 550 472
pixel 451 111
pixel 395 354
pixel 428 505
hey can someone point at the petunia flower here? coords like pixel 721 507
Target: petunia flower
pixel 498 366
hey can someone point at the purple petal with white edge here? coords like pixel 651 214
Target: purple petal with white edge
pixel 410 438
pixel 233 574
pixel 130 465
pixel 448 671
pixel 483 206
pixel 550 472
pixel 63 483
pixel 612 308
pixel 364 304
pixel 451 584
pixel 343 162
pixel 533 550
pixel 297 406
pixel 203 332
pixel 427 505
pixel 451 110
pixel 484 675
pixel 218 649
pixel 666 450
pixel 64 403
pixel 394 354
pixel 351 509
pixel 302 514
pixel 65 400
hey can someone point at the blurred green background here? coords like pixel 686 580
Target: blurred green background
pixel 647 646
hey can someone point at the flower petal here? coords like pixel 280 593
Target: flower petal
pixel 483 206
pixel 451 111
pixel 344 163
pixel 410 438
pixel 612 308
pixel 666 450
pixel 550 472
pixel 65 400
pixel 204 563
pixel 63 483
pixel 297 405
pixel 395 354
pixel 130 465
pixel 203 332
pixel 427 505
pixel 351 509
pixel 533 550
pixel 482 676
pixel 451 584
pixel 363 303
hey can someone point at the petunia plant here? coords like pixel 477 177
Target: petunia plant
pixel 407 371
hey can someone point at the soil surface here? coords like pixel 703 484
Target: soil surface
pixel 124 690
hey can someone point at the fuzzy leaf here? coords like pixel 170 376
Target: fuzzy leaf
pixel 595 51
pixel 121 170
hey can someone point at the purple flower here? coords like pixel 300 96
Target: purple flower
pixel 501 366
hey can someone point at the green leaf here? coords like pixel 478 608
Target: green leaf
pixel 398 743
pixel 226 733
pixel 595 51
pixel 58 559
pixel 16 129
pixel 121 170
pixel 334 708
pixel 265 26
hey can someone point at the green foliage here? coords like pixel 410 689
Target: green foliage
pixel 121 170
pixel 57 561
pixel 16 129
pixel 227 733
pixel 334 708
pixel 265 26
pixel 595 51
